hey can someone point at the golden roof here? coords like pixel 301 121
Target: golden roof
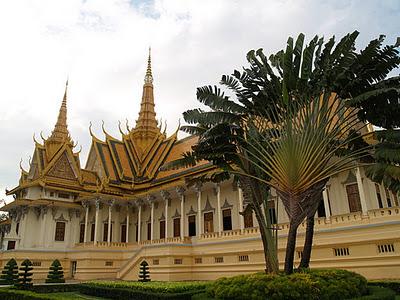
pixel 124 167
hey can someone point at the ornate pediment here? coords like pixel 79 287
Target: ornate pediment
pixel 62 168
pixel 208 206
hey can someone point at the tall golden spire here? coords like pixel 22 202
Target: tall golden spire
pixel 147 117
pixel 60 132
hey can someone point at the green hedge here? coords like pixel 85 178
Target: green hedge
pixel 128 293
pixel 55 288
pixel 13 294
pixel 309 284
pixel 153 286
pixel 378 293
pixel 391 284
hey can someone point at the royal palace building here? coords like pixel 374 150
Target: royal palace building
pixel 101 220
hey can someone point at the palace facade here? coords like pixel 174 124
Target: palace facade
pixel 102 220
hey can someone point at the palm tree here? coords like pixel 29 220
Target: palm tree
pixel 386 168
pixel 300 154
pixel 287 82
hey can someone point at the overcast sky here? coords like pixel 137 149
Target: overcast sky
pixel 101 45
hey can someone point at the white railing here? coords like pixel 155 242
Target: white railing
pixel 104 245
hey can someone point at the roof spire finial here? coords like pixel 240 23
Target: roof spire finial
pixel 149 77
pixel 60 132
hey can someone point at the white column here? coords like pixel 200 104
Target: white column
pixel 86 205
pixel 166 218
pixel 326 204
pixel 181 192
pixel 167 197
pixel 110 205
pixel 219 217
pixel 152 220
pixel 43 213
pixel 139 221
pixel 241 218
pixel 361 191
pixel 96 220
pixel 127 224
pixel 199 214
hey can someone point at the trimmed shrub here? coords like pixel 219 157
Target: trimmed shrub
pixel 55 288
pixel 309 284
pixel 154 286
pixel 378 293
pixel 13 294
pixel 144 274
pixel 25 276
pixel 10 272
pixel 126 293
pixel 390 284
pixel 56 273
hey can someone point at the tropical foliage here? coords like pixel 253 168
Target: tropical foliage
pixel 286 84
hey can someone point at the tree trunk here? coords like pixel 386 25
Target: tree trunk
pixel 305 259
pixel 272 265
pixel 252 191
pixel 291 247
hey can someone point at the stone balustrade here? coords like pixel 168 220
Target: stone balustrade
pixel 170 240
pixel 118 245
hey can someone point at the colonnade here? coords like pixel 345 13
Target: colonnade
pixel 150 200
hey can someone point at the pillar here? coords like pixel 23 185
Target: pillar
pixel 96 220
pixel 326 204
pixel 167 197
pixel 361 191
pixel 241 218
pixel 127 224
pixel 199 221
pixel 139 221
pixel 110 205
pixel 43 213
pixel 152 221
pixel 166 218
pixel 181 192
pixel 219 216
pixel 86 206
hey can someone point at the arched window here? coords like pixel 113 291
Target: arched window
pixel 60 232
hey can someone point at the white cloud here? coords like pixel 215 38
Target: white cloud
pixel 102 46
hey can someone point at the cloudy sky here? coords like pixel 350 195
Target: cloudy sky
pixel 101 45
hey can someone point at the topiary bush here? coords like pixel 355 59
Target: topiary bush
pixel 25 276
pixel 56 273
pixel 310 284
pixel 144 273
pixel 10 273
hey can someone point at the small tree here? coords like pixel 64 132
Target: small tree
pixel 10 272
pixel 25 276
pixel 56 273
pixel 144 273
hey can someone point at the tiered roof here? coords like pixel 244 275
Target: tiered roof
pixel 125 167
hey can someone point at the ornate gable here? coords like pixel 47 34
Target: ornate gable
pixel 62 168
